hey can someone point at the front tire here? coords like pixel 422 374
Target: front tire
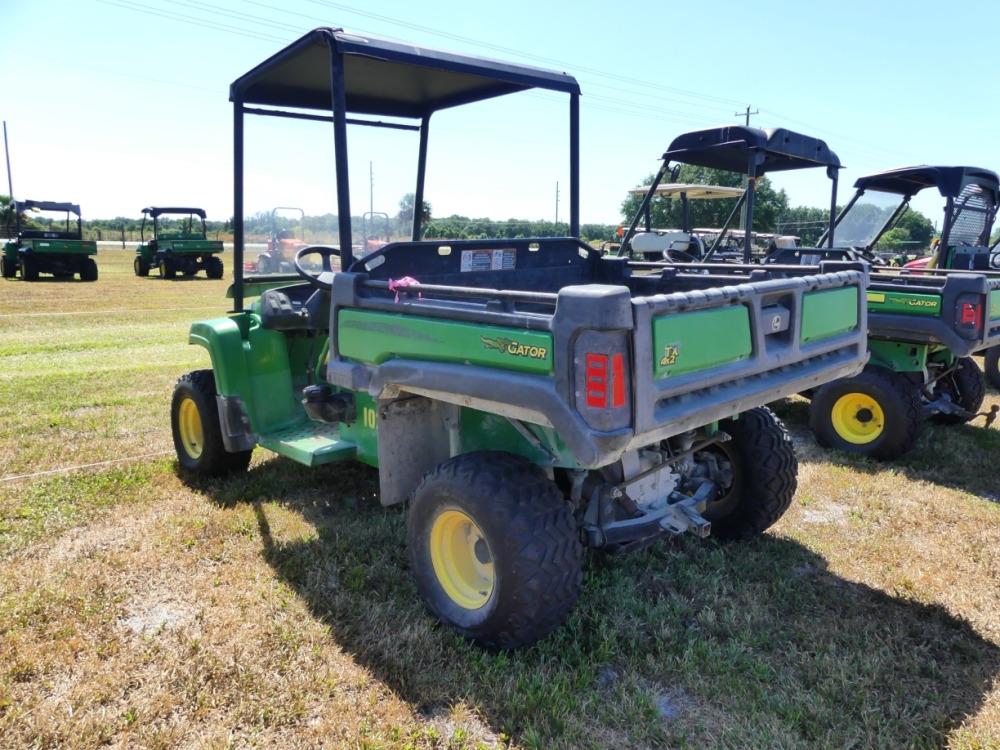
pixel 8 269
pixel 876 413
pixel 194 422
pixel 991 364
pixel 140 266
pixel 494 549
pixel 764 471
pixel 167 268
pixel 966 386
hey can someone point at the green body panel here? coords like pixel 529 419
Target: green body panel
pixel 907 303
pixel 267 369
pixel 362 431
pixel 62 247
pixel 180 247
pixel 10 249
pixel 257 288
pixel 903 357
pixel 828 313
pixel 223 338
pixel 478 430
pixel 267 362
pixel 481 431
pixel 376 337
pixel 994 305
pixel 692 341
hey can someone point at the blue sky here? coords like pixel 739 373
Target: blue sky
pixel 117 104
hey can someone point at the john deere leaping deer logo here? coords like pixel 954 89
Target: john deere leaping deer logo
pixel 515 348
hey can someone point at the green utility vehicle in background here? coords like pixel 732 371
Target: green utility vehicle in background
pixel 177 245
pixel 923 323
pixel 48 238
pixel 528 397
pixel 926 320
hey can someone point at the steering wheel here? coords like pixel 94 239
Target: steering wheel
pixel 324 279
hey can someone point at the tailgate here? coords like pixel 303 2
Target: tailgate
pixel 705 355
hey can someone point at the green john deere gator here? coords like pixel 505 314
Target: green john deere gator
pixel 48 238
pixel 528 398
pixel 177 245
pixel 924 322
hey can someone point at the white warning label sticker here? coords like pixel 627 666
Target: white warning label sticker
pixel 501 259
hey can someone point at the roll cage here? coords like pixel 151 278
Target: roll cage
pixel 749 151
pixel 154 213
pixel 69 209
pixel 334 71
pixel 968 191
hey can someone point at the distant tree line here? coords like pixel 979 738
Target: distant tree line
pixel 772 213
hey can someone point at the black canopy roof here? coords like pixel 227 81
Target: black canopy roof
pixel 728 148
pixel 948 180
pixel 383 77
pixel 27 205
pixel 155 211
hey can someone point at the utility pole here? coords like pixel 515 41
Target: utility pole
pixel 747 114
pixel 6 151
pixel 10 185
pixel 746 179
pixel 557 202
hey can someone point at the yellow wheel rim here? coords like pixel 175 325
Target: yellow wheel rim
pixel 858 418
pixel 189 427
pixel 462 560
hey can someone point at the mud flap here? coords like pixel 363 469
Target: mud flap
pixel 414 437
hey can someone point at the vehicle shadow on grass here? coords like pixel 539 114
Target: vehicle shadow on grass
pixel 687 644
pixel 947 455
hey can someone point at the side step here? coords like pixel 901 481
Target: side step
pixel 309 443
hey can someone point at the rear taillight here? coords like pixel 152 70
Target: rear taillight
pixel 603 379
pixel 969 315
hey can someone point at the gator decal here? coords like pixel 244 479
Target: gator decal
pixel 515 348
pixel 377 337
pixel 899 302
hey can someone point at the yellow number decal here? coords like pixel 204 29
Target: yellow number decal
pixel 368 417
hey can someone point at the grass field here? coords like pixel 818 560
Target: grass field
pixel 276 610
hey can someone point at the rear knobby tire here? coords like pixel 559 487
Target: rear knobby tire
pixel 991 364
pixel 525 529
pixel 194 422
pixel 29 268
pixel 966 386
pixel 214 268
pixel 844 414
pixel 88 271
pixel 167 268
pixel 764 471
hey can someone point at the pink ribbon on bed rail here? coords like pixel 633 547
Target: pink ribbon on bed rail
pixel 396 284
